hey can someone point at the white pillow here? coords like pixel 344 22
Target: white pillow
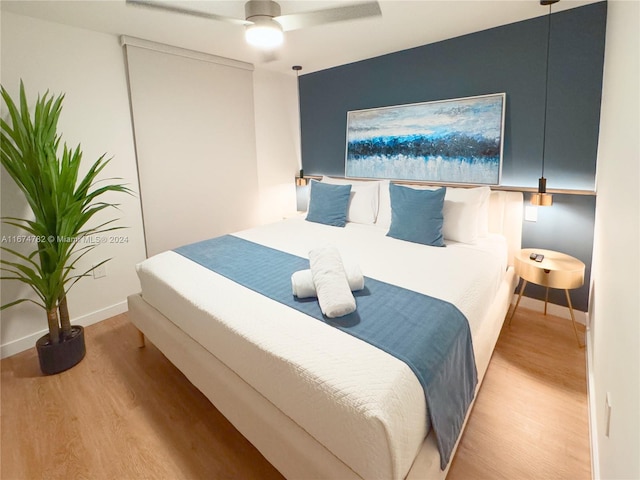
pixel 483 215
pixel 363 201
pixel 466 214
pixel 383 220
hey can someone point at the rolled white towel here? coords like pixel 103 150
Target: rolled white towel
pixel 334 295
pixel 303 286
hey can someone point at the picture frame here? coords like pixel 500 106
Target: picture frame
pixel 446 141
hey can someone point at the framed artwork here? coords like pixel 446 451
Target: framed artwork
pixel 452 141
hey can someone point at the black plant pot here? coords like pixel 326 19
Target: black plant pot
pixel 58 357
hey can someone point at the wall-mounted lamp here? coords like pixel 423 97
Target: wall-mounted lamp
pixel 542 198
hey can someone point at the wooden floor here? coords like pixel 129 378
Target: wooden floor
pixel 127 413
pixel 530 420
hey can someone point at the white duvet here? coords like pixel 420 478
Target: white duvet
pixel 364 405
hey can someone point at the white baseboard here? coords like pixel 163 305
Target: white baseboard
pixel 29 341
pixel 561 311
pixel 591 405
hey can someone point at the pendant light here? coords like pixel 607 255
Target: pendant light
pixel 302 183
pixel 542 198
pixel 300 180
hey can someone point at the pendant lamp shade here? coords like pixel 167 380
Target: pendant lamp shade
pixel 542 198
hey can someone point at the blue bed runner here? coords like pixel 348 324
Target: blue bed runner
pixel 430 335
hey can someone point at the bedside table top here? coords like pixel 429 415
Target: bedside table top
pixel 557 270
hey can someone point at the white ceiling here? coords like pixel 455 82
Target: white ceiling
pixel 403 24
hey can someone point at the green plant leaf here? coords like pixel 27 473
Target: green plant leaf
pixel 64 203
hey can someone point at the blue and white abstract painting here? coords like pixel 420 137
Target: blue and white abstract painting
pixel 457 141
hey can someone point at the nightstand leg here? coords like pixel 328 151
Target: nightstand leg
pixel 573 319
pixel 546 300
pixel 524 284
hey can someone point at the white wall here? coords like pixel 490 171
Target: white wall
pixel 89 68
pixel 615 306
pixel 277 142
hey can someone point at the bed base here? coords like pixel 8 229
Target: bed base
pixel 283 443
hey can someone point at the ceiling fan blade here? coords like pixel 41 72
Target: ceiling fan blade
pixel 295 21
pixel 269 56
pixel 172 7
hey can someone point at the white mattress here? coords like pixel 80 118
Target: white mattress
pixel 362 404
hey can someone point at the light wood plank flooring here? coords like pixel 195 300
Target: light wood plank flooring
pixel 127 413
pixel 530 420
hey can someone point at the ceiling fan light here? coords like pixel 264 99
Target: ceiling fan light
pixel 264 33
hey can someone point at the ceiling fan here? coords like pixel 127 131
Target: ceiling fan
pixel 263 21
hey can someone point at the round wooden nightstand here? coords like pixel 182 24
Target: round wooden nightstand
pixel 556 270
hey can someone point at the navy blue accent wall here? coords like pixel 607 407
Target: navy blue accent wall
pixel 510 59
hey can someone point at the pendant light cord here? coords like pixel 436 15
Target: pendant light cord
pixel 546 93
pixel 297 69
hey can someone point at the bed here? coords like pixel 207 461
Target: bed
pixel 316 402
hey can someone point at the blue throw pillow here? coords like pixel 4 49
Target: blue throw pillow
pixel 416 215
pixel 328 204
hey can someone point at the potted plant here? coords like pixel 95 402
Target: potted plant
pixel 62 203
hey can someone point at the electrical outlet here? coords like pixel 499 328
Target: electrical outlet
pixel 607 415
pixel 100 271
pixel 531 213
